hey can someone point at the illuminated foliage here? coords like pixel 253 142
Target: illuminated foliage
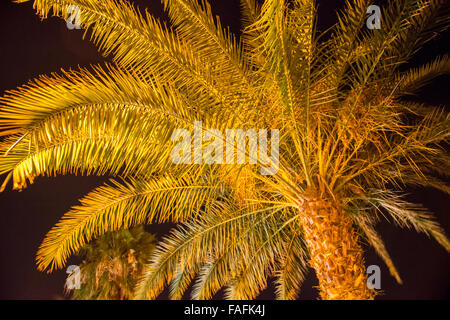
pixel 349 143
pixel 112 265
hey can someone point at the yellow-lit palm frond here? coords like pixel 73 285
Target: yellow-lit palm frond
pixel 196 26
pixel 89 123
pixel 123 205
pixel 140 41
pixel 409 82
pixel 340 49
pixel 226 246
pixel 348 141
pixel 425 22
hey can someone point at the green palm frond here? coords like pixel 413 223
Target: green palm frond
pixel 112 264
pixel 375 59
pixel 111 138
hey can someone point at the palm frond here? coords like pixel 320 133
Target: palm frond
pixel 182 280
pixel 292 270
pixel 377 243
pixel 122 205
pixel 341 47
pixel 192 244
pixel 196 25
pixel 427 20
pixel 409 215
pixel 138 41
pixel 412 80
pixel 343 132
pixel 89 123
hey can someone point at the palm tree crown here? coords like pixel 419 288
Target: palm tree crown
pixel 112 265
pixel 348 142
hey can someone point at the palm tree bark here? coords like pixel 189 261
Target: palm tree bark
pixel 335 253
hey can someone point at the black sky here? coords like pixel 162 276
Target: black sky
pixel 30 47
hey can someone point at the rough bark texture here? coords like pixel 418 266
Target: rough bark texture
pixel 335 253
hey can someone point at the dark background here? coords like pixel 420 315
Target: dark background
pixel 30 47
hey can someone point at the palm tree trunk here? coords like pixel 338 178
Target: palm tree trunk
pixel 334 251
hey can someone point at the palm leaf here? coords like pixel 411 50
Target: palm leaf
pixel 116 206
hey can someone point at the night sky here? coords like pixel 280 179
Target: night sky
pixel 30 47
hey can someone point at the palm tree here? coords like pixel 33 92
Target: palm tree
pixel 112 265
pixel 348 140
